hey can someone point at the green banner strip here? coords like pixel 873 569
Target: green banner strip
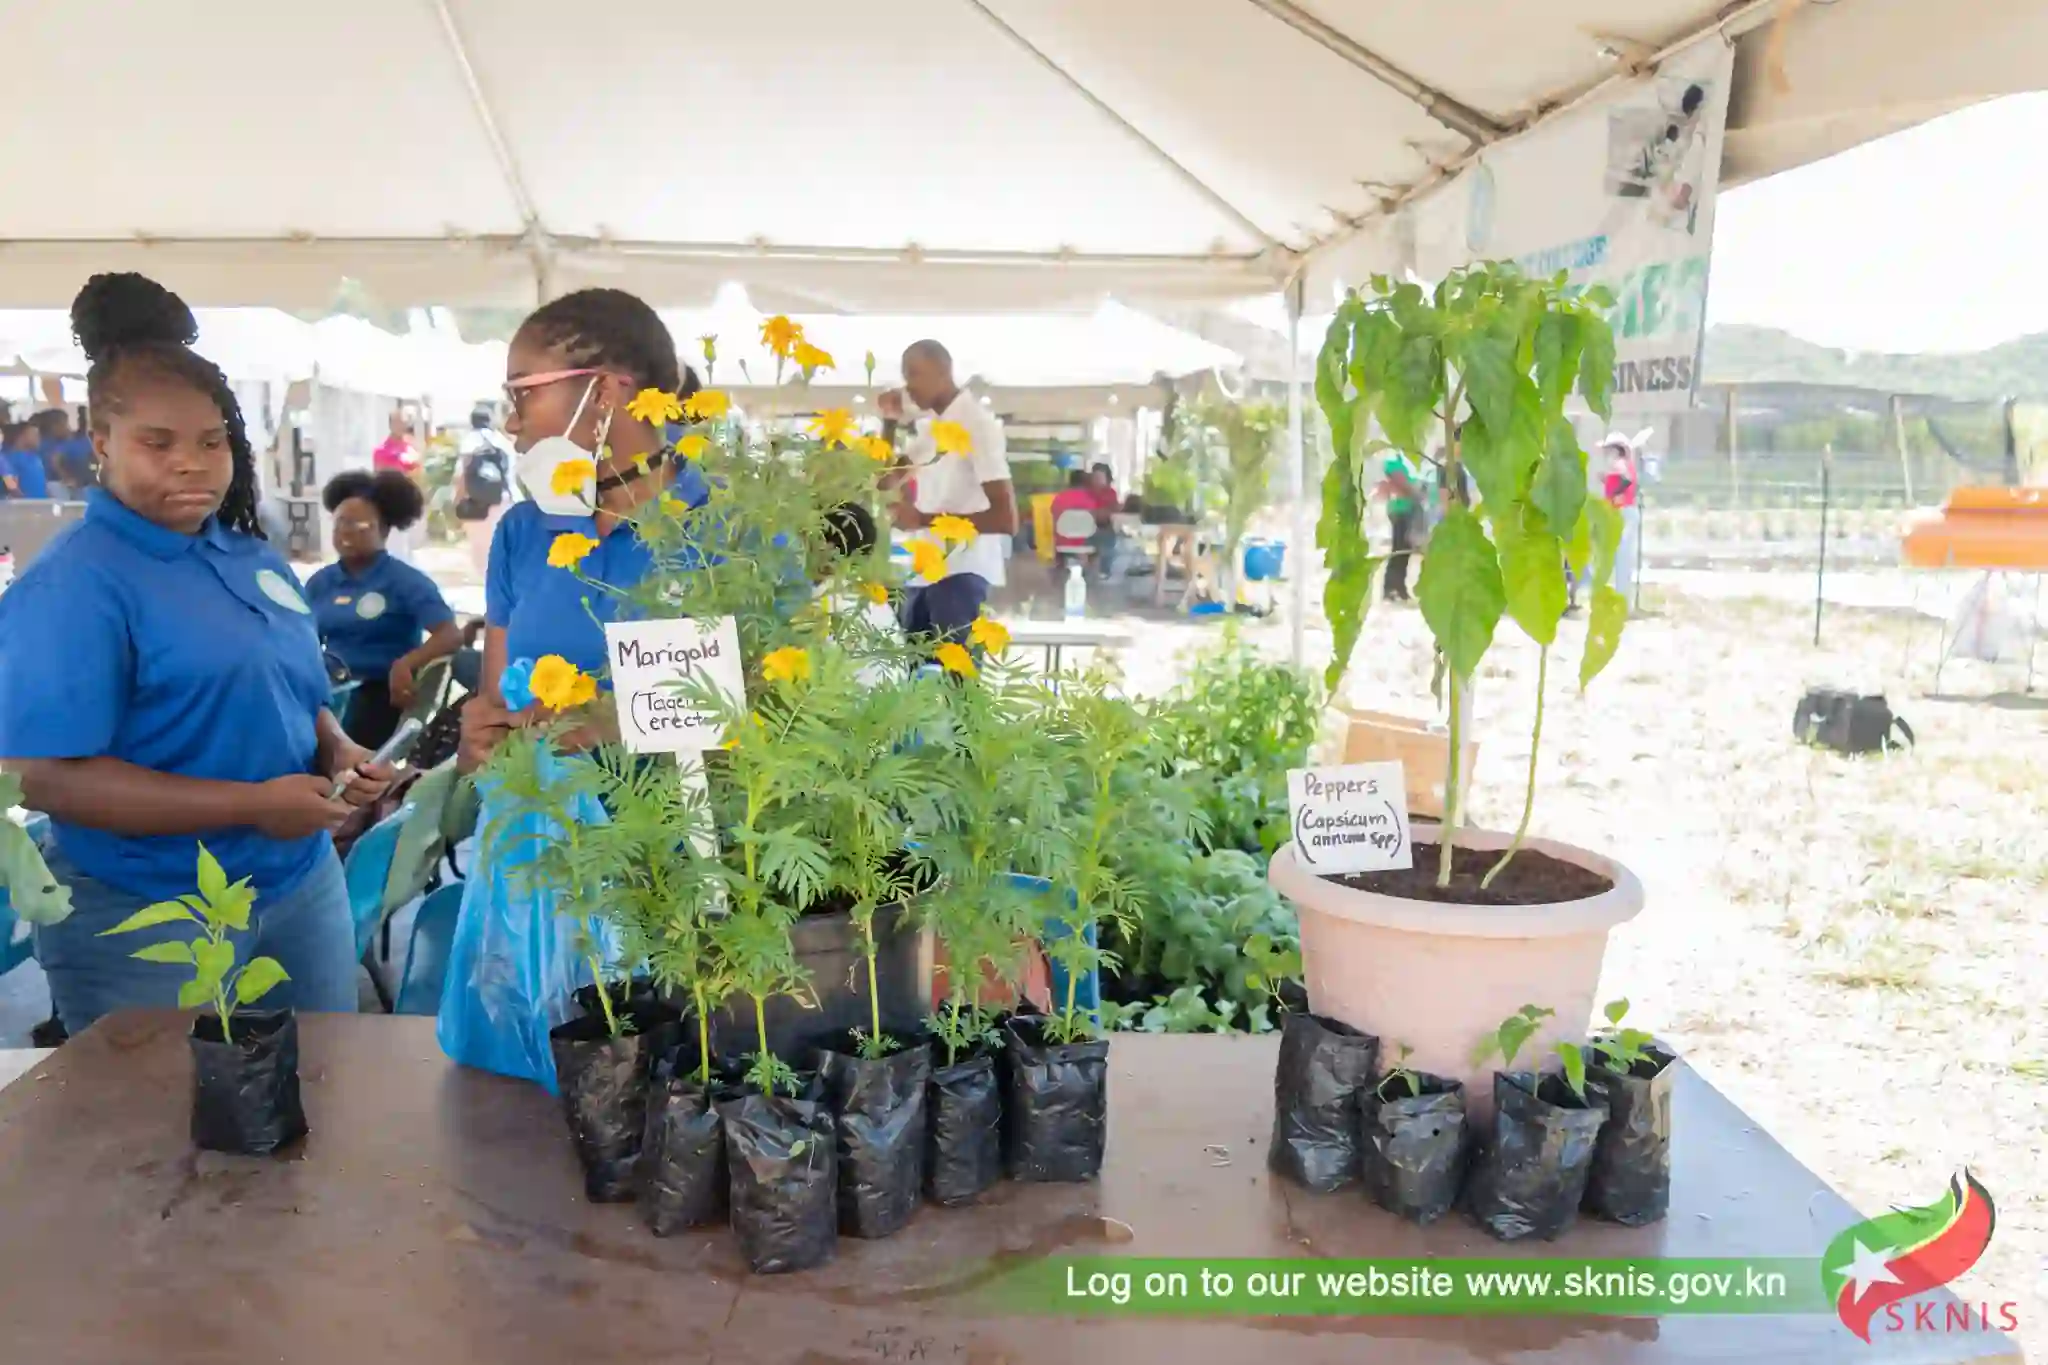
pixel 1130 1286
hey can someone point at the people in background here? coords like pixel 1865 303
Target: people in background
pixel 1620 486
pixel 1401 485
pixel 21 462
pixel 381 618
pixel 67 454
pixel 1078 500
pixel 161 687
pixel 483 484
pixel 571 370
pixel 397 451
pixel 946 479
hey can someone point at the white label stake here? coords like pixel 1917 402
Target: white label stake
pixel 1352 818
pixel 649 659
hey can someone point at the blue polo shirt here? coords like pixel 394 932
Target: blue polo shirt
pixel 545 610
pixel 26 469
pixel 192 655
pixel 370 620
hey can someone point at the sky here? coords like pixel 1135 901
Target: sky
pixel 1929 240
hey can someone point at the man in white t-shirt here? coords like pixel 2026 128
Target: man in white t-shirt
pixel 974 483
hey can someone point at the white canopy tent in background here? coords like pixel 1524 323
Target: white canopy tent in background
pixel 879 156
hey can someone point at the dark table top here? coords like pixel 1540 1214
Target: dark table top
pixel 436 1214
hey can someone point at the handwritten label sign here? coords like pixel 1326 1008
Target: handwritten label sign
pixel 649 659
pixel 1350 819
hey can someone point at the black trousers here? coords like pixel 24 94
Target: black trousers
pixel 372 716
pixel 1395 586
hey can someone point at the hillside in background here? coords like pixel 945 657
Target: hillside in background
pixel 1738 354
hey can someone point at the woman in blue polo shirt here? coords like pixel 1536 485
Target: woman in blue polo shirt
pixel 377 614
pixel 572 369
pixel 161 686
pixel 21 463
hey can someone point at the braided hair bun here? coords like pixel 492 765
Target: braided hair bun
pixel 114 311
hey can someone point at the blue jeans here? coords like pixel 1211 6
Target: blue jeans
pixel 308 930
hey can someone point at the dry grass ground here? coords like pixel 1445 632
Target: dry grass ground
pixel 1855 950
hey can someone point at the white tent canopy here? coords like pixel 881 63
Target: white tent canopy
pixel 887 155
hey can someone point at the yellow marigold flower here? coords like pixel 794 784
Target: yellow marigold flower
pixel 875 448
pixel 692 447
pixel 569 549
pixel 710 343
pixel 569 477
pixel 810 357
pixel 954 530
pixel 707 405
pixel 788 664
pixel 559 685
pixel 991 634
pixel 927 561
pixel 954 658
pixel 673 505
pixel 952 438
pixel 877 593
pixel 655 407
pixel 780 335
pixel 833 426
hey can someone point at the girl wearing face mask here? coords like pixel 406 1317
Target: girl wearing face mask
pixel 571 371
pixel 161 686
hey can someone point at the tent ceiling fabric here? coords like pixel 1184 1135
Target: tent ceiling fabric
pixel 900 155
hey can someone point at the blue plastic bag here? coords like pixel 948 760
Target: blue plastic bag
pixel 513 965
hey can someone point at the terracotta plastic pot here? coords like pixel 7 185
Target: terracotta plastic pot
pixel 1439 977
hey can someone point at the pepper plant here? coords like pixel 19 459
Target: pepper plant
pixel 1473 377
pixel 218 909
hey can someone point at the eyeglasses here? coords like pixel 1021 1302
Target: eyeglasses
pixel 517 389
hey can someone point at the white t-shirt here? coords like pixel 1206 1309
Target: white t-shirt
pixel 952 483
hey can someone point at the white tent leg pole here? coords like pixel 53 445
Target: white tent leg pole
pixel 1296 492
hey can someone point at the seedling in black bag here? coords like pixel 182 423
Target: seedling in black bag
pixel 1574 1058
pixel 218 909
pixel 1401 1072
pixel 1623 1047
pixel 1273 966
pixel 1507 1040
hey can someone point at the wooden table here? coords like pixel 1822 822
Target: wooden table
pixel 1055 637
pixel 436 1214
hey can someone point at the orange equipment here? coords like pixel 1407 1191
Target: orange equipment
pixel 2002 529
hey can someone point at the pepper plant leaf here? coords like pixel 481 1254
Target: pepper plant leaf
pixel 1596 369
pixel 1340 531
pixel 213 960
pixel 166 952
pixel 163 912
pixel 1559 489
pixel 1606 538
pixel 1486 362
pixel 1460 590
pixel 1603 632
pixel 193 994
pixel 1530 572
pixel 213 881
pixel 258 979
pixel 1558 347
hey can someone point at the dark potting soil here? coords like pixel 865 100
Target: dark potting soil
pixel 1531 879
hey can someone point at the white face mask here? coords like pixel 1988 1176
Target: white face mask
pixel 538 465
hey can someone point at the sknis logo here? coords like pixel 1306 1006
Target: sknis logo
pixel 1887 1260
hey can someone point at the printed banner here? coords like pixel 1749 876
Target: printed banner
pixel 1619 193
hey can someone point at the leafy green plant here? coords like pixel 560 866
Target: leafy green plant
pixel 1186 1010
pixel 1507 1040
pixel 1274 964
pixel 1622 1047
pixel 1573 1059
pixel 218 909
pixel 989 799
pixel 1113 759
pixel 34 895
pixel 1405 1074
pixel 1235 724
pixel 1484 363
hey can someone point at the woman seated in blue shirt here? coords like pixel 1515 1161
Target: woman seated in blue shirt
pixel 21 463
pixel 161 686
pixel 372 608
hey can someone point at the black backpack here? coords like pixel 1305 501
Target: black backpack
pixel 1849 723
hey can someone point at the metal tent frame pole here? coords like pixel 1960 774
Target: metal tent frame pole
pixel 1297 578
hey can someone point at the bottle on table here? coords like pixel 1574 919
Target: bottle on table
pixel 1077 593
